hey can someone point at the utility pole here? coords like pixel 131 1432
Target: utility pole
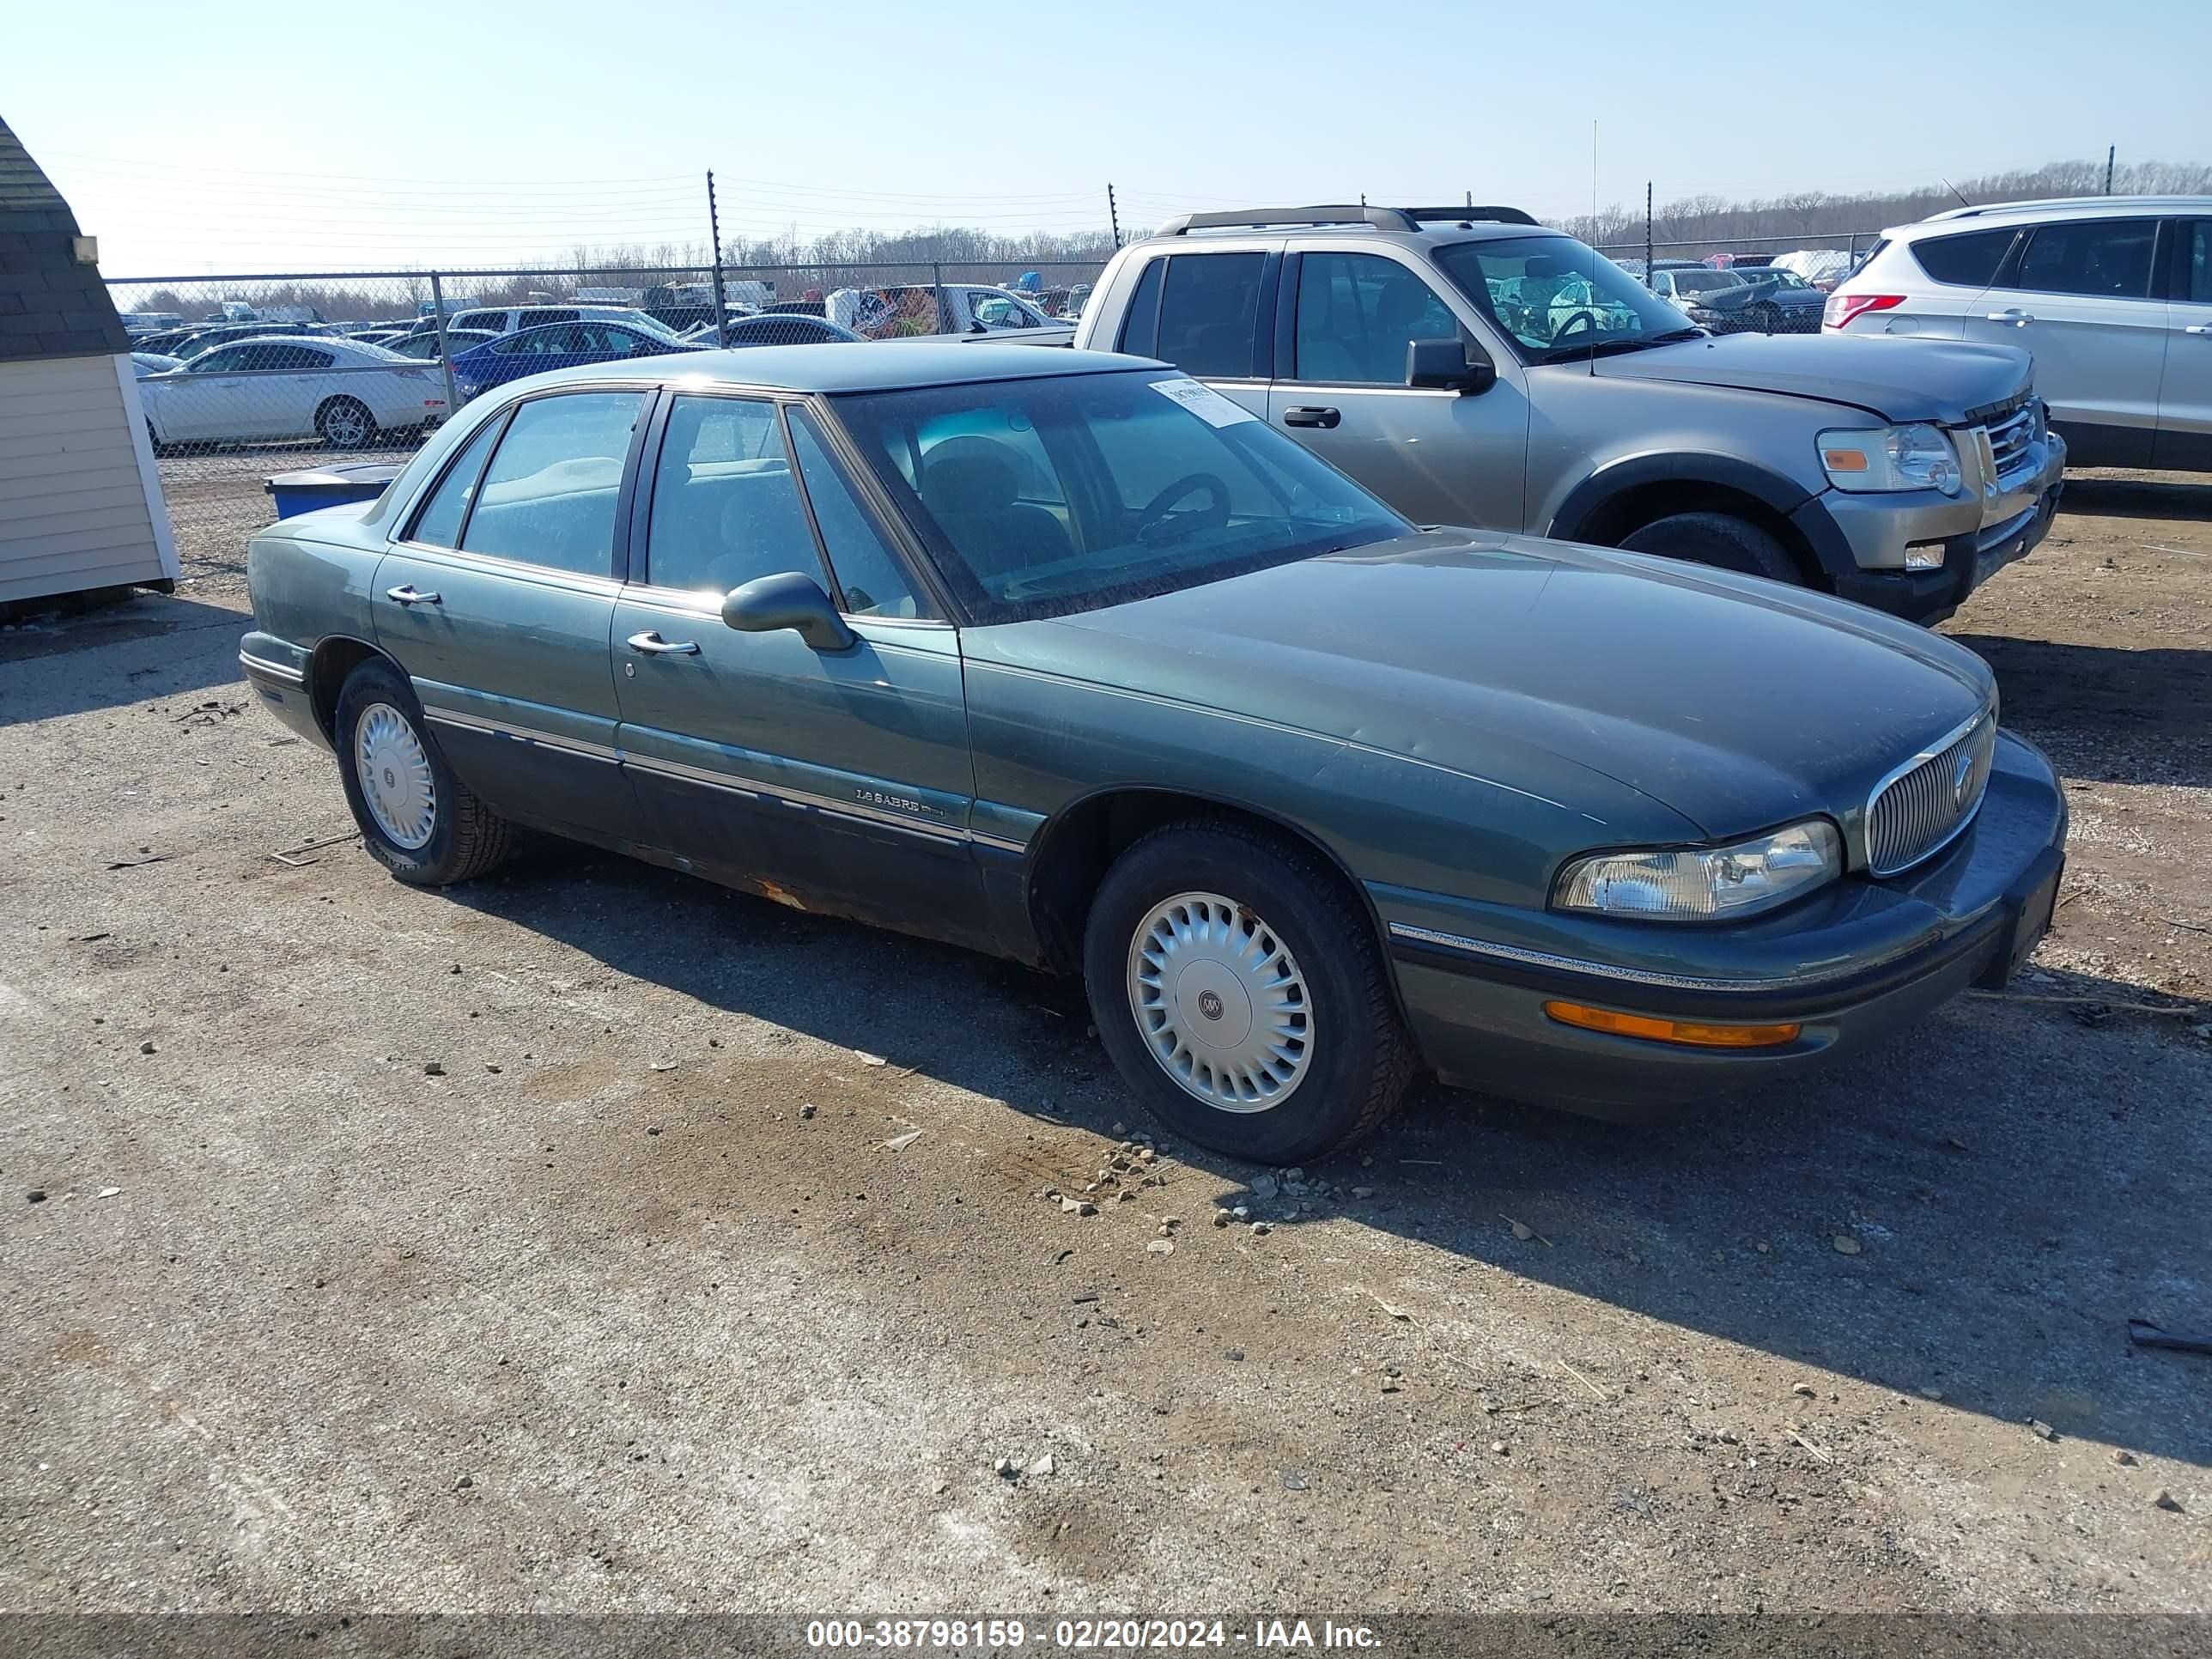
pixel 1647 233
pixel 1113 217
pixel 445 354
pixel 2110 150
pixel 714 230
pixel 1470 201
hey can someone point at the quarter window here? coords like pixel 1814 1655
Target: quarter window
pixel 1141 328
pixel 868 572
pixel 2107 258
pixel 1967 261
pixel 725 507
pixel 549 495
pixel 1358 312
pixel 1209 313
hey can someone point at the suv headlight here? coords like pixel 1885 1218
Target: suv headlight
pixel 1891 457
pixel 1703 883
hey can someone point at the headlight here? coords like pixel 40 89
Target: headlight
pixel 1704 884
pixel 1890 457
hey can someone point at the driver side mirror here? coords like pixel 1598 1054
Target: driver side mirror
pixel 1461 365
pixel 767 604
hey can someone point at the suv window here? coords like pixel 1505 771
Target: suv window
pixel 1140 327
pixel 439 523
pixel 549 495
pixel 2199 282
pixel 494 320
pixel 874 583
pixel 725 508
pixel 1967 261
pixel 1209 313
pixel 1357 312
pixel 2109 258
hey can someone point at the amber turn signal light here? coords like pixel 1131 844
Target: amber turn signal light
pixel 1691 1033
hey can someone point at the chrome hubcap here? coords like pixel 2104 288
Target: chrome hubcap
pixel 345 427
pixel 395 776
pixel 1220 1002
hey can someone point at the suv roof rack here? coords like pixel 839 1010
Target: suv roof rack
pixel 1382 218
pixel 1493 216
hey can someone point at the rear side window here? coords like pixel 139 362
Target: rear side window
pixel 1209 313
pixel 2108 259
pixel 2196 282
pixel 1140 329
pixel 439 523
pixel 1967 261
pixel 549 495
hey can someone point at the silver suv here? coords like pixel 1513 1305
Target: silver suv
pixel 1472 368
pixel 2113 294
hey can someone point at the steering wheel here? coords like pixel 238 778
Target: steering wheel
pixel 1158 522
pixel 1577 321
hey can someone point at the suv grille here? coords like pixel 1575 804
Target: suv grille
pixel 2010 438
pixel 1918 809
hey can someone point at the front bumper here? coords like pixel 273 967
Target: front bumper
pixel 1848 964
pixel 1862 539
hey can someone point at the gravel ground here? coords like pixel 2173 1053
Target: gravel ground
pixel 596 1239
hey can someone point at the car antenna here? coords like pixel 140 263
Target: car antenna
pixel 1956 192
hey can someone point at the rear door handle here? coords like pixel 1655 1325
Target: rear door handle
pixel 2202 329
pixel 653 644
pixel 1311 416
pixel 2017 318
pixel 408 594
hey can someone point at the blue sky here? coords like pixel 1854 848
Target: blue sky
pixel 258 137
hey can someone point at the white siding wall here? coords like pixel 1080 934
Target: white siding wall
pixel 80 503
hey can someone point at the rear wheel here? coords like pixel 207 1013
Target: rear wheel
pixel 346 424
pixel 416 818
pixel 1241 995
pixel 1719 539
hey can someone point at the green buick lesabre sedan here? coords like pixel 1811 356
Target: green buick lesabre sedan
pixel 1062 656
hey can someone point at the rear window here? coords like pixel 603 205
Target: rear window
pixel 1967 261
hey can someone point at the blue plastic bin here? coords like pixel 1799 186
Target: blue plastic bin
pixel 296 493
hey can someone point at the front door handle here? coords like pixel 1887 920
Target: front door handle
pixel 2014 315
pixel 653 644
pixel 407 593
pixel 2202 331
pixel 1311 414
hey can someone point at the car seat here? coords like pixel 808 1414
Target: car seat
pixel 970 485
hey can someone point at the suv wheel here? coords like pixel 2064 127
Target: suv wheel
pixel 1242 995
pixel 1718 539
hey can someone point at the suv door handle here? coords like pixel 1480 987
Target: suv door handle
pixel 2204 330
pixel 653 644
pixel 2014 315
pixel 407 594
pixel 1311 414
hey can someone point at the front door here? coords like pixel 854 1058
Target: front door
pixel 835 781
pixel 2079 296
pixel 498 602
pixel 2185 400
pixel 1438 457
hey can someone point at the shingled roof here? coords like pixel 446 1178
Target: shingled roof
pixel 50 305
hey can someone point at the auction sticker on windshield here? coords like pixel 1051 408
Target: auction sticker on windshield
pixel 1203 401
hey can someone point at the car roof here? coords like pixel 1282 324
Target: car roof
pixel 839 367
pixel 2071 206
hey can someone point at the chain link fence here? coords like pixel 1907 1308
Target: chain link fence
pixel 242 378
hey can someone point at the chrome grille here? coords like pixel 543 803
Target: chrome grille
pixel 2010 438
pixel 1919 807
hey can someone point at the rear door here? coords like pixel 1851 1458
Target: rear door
pixel 498 601
pixel 1959 267
pixel 1437 456
pixel 2185 401
pixel 2080 294
pixel 836 780
pixel 1211 314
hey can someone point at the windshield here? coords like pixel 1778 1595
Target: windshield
pixel 1043 497
pixel 1556 298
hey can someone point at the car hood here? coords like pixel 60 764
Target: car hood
pixel 1947 381
pixel 1738 704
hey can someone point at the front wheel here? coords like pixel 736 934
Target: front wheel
pixel 1241 995
pixel 417 819
pixel 1716 538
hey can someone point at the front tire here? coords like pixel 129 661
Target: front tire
pixel 417 819
pixel 1241 992
pixel 1718 539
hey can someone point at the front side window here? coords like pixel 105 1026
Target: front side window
pixel 1558 300
pixel 725 508
pixel 2107 258
pixel 869 574
pixel 1357 313
pixel 1066 492
pixel 2199 278
pixel 548 495
pixel 1210 312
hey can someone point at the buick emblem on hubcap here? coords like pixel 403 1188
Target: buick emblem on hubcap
pixel 1209 1004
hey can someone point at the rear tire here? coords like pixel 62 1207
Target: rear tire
pixel 417 819
pixel 1204 930
pixel 346 424
pixel 1718 539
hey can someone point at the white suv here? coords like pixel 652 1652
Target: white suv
pixel 2113 294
